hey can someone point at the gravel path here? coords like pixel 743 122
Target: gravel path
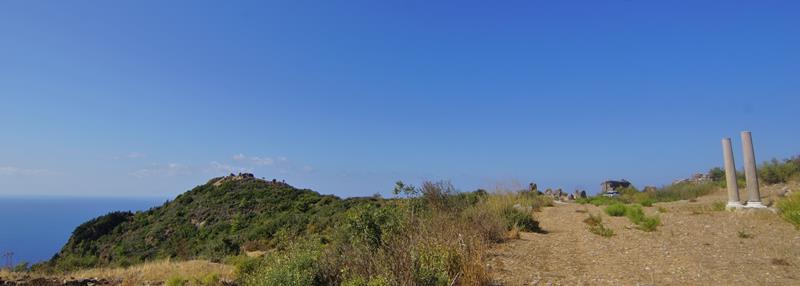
pixel 695 245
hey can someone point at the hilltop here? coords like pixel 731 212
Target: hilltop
pixel 226 216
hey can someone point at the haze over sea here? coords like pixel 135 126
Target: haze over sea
pixel 35 228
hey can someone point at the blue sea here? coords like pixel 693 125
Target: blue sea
pixel 35 229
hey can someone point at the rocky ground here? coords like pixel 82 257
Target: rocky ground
pixel 695 245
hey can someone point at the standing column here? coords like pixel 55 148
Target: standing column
pixel 730 175
pixel 750 173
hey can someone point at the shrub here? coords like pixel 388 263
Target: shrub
pixel 718 206
pixel 371 225
pixel 775 171
pixel 649 223
pixel 435 265
pixel 295 266
pixel 789 208
pixel 601 230
pixel 175 281
pixel 516 217
pixel 603 201
pixel 616 209
pixel 593 220
pixel 597 227
pixel 647 202
pixel 634 213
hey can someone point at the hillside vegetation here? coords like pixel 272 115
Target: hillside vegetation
pixel 275 234
pixel 224 217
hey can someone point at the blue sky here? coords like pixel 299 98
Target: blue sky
pixel 148 98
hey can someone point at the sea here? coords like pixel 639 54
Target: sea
pixel 35 228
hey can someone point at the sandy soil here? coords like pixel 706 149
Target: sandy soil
pixel 695 245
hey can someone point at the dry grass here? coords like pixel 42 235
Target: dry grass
pixel 194 271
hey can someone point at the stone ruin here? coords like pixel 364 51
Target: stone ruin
pixel 695 178
pixel 560 195
pixel 242 177
pixel 612 185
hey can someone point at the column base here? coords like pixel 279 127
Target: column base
pixel 755 205
pixel 734 205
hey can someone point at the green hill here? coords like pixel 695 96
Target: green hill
pixel 224 217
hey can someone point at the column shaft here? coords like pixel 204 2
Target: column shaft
pixel 750 172
pixel 730 172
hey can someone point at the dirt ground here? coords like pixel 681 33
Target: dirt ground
pixel 695 245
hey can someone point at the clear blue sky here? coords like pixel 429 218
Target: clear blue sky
pixel 150 98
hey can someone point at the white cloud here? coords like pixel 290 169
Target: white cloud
pixel 15 171
pixel 217 167
pixel 258 161
pixel 162 170
pixel 134 155
pixel 281 164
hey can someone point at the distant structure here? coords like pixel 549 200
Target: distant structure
pixel 612 185
pixel 695 178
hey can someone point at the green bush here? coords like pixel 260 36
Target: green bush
pixel 297 266
pixel 175 281
pixel 649 223
pixel 434 265
pixel 522 219
pixel 789 208
pixel 616 209
pixel 372 281
pixel 372 225
pixel 634 213
pixel 603 201
pixel 647 202
pixel 775 171
pixel 601 230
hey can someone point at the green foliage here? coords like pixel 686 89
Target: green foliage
pixel 212 221
pixel 602 201
pixel 601 230
pixel 372 281
pixel 519 218
pixel 209 279
pixel 683 191
pixel 647 202
pixel 372 225
pixel 596 226
pixel 649 223
pixel 296 266
pixel 434 266
pixel 776 171
pixel 789 208
pixel 22 267
pixel 716 174
pixel 175 281
pixel 616 209
pixel 635 214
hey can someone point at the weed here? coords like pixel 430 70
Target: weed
pixel 789 208
pixel 744 235
pixel 593 220
pixel 616 209
pixel 718 206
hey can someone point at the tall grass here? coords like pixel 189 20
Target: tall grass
pixel 194 272
pixel 789 208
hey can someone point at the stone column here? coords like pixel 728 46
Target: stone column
pixel 750 172
pixel 730 175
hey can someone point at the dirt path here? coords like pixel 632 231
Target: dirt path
pixel 695 245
